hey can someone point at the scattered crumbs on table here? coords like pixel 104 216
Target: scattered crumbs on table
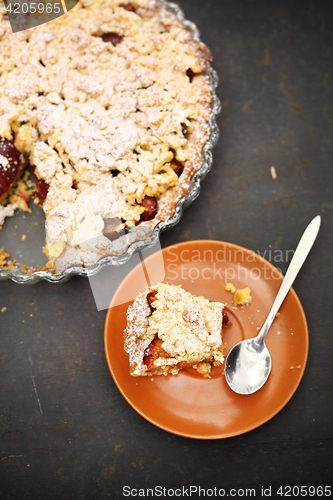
pixel 24 237
pixel 298 366
pixel 273 173
pixel 152 379
pixel 31 314
pixel 279 333
pixel 292 333
pixel 277 314
pixel 3 309
pixel 292 367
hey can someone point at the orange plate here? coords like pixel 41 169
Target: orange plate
pixel 188 404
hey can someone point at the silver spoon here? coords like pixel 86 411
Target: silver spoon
pixel 248 364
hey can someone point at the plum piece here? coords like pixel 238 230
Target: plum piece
pixel 226 323
pixel 41 185
pixel 128 7
pixel 150 205
pixel 152 352
pixel 114 38
pixel 177 167
pixel 184 130
pixel 151 297
pixel 191 75
pixel 112 228
pixel 10 164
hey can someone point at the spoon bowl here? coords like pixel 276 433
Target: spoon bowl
pixel 248 363
pixel 248 366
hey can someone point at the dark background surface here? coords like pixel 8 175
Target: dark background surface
pixel 66 431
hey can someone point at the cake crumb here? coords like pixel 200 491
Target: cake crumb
pixel 24 237
pixel 278 333
pixel 277 314
pixel 273 173
pixel 242 297
pixel 292 367
pixel 229 287
pixel 31 270
pixel 3 257
pixel 3 309
pixel 298 366
pixel 4 262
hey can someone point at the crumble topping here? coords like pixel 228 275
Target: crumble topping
pixel 103 102
pixel 189 330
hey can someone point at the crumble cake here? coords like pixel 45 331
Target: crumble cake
pixel 169 329
pixel 110 106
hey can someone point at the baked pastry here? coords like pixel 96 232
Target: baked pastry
pixel 110 106
pixel 169 329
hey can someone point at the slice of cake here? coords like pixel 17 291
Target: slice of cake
pixel 169 329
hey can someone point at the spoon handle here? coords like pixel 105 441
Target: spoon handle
pixel 303 248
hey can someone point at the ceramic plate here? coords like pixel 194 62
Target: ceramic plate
pixel 188 404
